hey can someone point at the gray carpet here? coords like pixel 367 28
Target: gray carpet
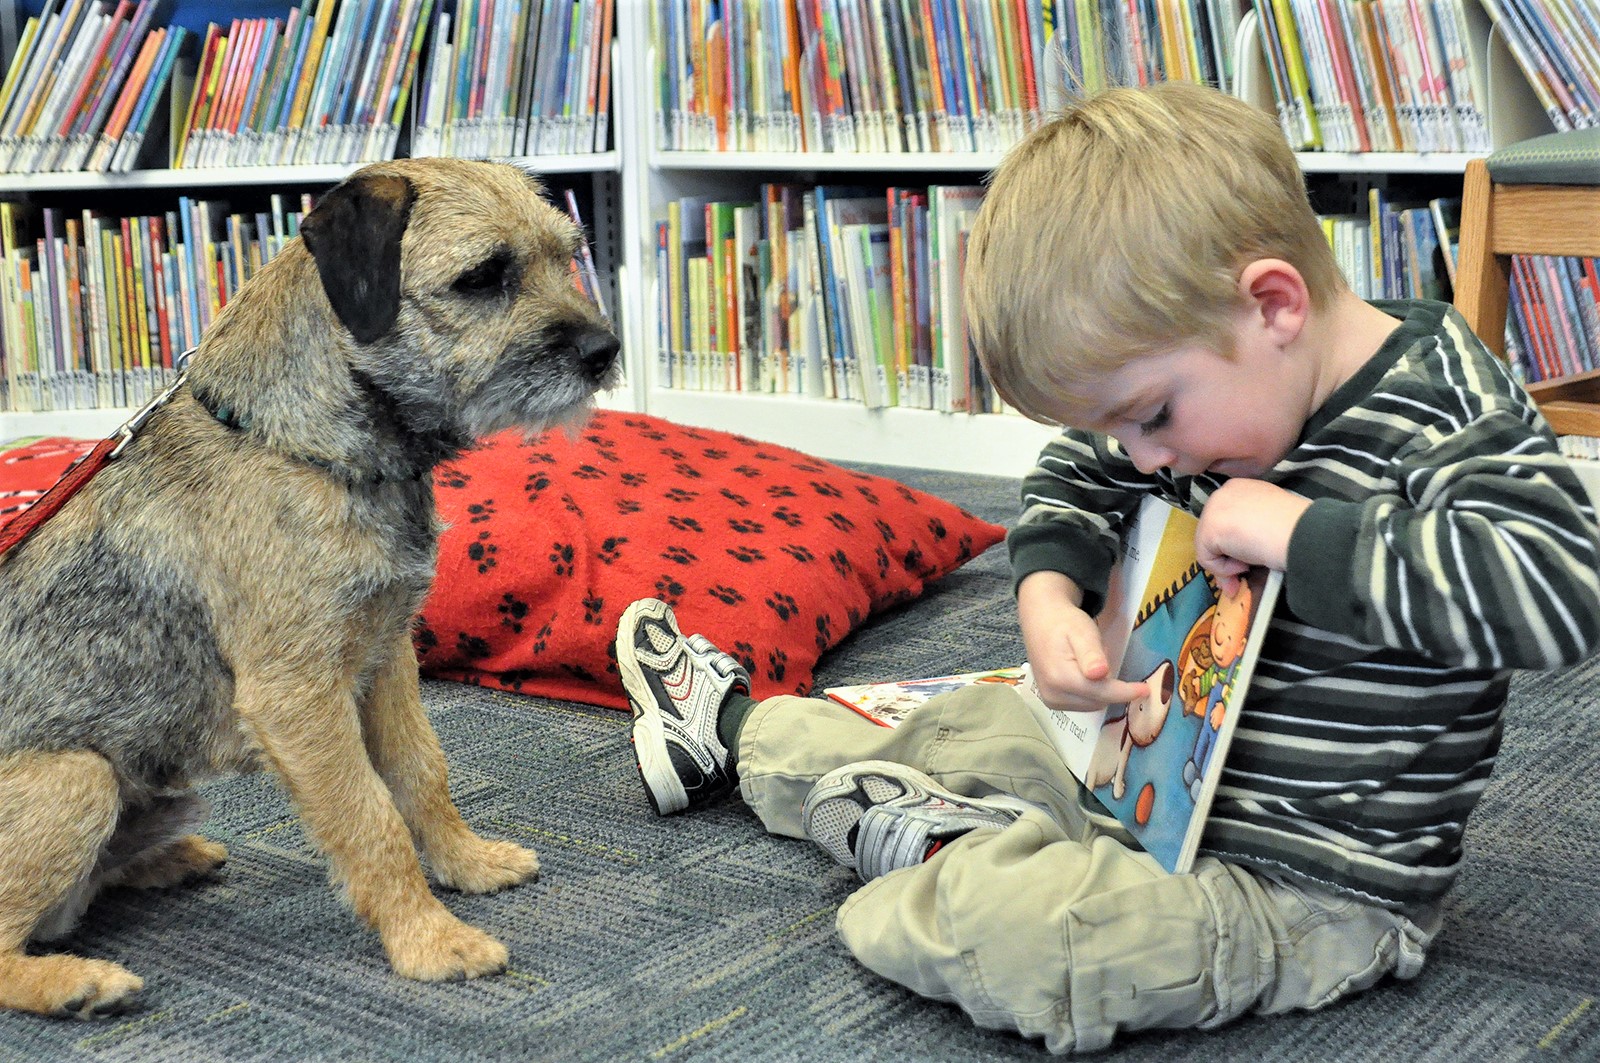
pixel 698 937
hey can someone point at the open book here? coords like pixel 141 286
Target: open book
pixel 1155 763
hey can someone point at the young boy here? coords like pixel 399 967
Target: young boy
pixel 1146 269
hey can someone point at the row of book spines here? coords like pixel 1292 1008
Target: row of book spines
pixel 94 112
pixel 284 91
pixel 1398 258
pixel 1376 75
pixel 302 85
pixel 510 79
pixel 843 75
pixel 783 296
pixel 1554 323
pixel 1557 45
pixel 106 295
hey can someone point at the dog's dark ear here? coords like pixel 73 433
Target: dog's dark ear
pixel 354 236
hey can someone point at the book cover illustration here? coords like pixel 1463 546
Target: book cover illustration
pixel 1154 764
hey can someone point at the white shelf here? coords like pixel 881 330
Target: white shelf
pixel 224 177
pixel 991 444
pixel 820 161
pixel 985 161
pixel 1384 162
pixel 78 424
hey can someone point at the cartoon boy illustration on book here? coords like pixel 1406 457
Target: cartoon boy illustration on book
pixel 1211 655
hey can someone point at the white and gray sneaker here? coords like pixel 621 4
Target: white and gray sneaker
pixel 876 816
pixel 676 686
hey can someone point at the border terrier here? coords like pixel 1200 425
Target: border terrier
pixel 238 587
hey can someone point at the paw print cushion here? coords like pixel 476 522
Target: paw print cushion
pixel 772 554
pixel 28 468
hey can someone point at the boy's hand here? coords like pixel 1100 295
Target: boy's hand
pixel 1068 661
pixel 1246 523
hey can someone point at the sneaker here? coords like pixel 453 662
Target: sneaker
pixel 676 686
pixel 877 816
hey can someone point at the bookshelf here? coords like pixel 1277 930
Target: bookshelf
pixel 632 183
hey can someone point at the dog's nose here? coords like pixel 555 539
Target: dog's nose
pixel 597 349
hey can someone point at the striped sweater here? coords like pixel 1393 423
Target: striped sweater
pixel 1447 544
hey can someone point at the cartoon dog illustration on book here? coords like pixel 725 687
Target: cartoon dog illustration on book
pixel 1137 728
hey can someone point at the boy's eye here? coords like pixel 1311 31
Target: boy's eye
pixel 1156 423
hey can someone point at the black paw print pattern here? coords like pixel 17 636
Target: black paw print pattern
pixel 777 664
pixel 773 555
pixel 825 637
pixel 541 638
pixel 483 552
pixel 840 560
pixel 513 611
pixel 784 605
pixel 472 647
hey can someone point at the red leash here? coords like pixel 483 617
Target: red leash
pixel 81 472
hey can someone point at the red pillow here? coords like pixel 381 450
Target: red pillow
pixel 773 555
pixel 28 470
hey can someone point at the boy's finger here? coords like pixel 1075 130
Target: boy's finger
pixel 1083 636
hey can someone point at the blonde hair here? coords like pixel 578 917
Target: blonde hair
pixel 1120 228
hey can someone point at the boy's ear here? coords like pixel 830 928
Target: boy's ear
pixel 1277 298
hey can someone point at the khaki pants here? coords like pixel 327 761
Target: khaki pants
pixel 1057 926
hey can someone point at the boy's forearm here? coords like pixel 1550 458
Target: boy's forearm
pixel 1498 572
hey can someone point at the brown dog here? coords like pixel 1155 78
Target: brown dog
pixel 239 586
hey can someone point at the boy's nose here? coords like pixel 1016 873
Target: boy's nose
pixel 1148 457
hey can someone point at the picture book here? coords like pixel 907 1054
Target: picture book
pixel 1155 763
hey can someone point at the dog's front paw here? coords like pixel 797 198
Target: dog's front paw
pixel 443 949
pixel 68 987
pixel 483 866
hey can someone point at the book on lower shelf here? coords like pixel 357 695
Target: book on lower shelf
pixel 1155 763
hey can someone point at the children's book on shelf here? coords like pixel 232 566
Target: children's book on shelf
pixel 1154 763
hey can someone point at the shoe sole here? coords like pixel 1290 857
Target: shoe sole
pixel 661 782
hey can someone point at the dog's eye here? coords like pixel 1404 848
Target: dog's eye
pixel 494 274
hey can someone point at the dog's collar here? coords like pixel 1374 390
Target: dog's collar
pixel 231 419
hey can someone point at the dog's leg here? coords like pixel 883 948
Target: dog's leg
pixel 313 738
pixel 183 860
pixel 405 750
pixel 57 810
pixel 153 847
